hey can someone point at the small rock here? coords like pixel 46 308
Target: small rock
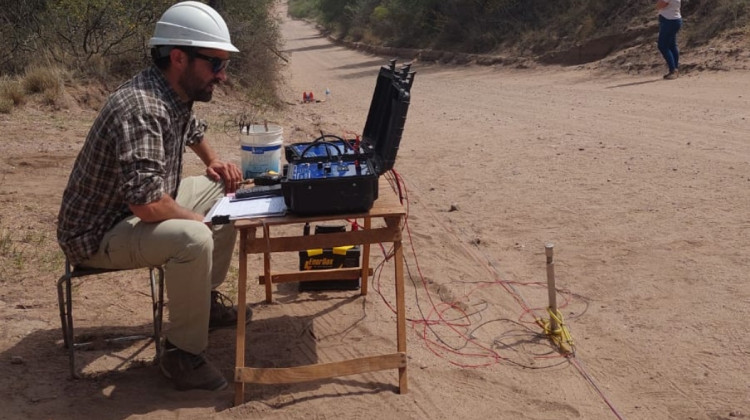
pixel 17 360
pixel 108 391
pixel 454 207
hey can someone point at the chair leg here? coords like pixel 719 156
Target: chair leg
pixel 157 301
pixel 65 303
pixel 61 305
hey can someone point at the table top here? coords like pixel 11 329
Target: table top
pixel 387 205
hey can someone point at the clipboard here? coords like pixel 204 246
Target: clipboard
pixel 227 209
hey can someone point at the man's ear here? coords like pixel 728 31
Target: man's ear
pixel 178 58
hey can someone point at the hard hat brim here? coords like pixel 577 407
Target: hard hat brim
pixel 224 46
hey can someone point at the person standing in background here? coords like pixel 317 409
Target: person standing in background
pixel 670 22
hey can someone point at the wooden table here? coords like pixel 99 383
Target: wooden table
pixel 388 208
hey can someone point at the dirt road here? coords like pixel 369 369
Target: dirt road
pixel 641 185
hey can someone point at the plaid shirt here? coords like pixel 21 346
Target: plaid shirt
pixel 132 155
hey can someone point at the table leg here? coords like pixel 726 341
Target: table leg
pixel 400 312
pixel 239 362
pixel 364 277
pixel 267 265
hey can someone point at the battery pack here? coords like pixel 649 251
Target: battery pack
pixel 346 256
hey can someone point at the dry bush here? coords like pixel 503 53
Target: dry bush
pixel 42 79
pixel 6 105
pixel 105 41
pixel 49 83
pixel 707 20
pixel 13 91
pixel 256 68
pixel 53 98
pixel 77 31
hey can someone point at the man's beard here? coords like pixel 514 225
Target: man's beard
pixel 195 92
pixel 203 95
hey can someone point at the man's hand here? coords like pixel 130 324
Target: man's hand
pixel 217 169
pixel 225 171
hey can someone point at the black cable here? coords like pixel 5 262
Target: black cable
pixel 346 143
pixel 326 144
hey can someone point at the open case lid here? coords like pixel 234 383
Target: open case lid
pixel 387 116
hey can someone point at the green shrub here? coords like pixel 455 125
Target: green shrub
pixel 518 25
pixel 380 13
pixel 301 9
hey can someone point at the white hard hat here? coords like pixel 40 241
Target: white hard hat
pixel 192 24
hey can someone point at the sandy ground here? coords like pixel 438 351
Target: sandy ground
pixel 641 185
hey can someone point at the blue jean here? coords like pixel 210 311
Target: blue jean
pixel 667 43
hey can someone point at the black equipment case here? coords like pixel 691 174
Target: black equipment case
pixel 327 146
pixel 334 175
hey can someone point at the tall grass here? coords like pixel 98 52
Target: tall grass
pixel 45 83
pixel 12 90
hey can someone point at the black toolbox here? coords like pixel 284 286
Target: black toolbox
pixel 334 175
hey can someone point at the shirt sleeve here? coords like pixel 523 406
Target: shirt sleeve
pixel 196 132
pixel 140 154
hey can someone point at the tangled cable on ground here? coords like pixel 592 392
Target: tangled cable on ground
pixel 462 326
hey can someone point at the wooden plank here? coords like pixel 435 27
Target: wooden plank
pixel 239 360
pixel 365 260
pixel 296 243
pixel 267 265
pixel 351 273
pixel 320 371
pixel 393 209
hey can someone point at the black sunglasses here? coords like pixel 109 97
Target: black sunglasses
pixel 217 64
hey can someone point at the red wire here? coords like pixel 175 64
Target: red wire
pixel 432 345
pixel 440 349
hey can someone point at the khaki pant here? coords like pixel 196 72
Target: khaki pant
pixel 195 257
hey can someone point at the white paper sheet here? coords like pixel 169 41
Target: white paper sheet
pixel 246 209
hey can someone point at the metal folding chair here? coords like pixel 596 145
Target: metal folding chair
pixel 65 302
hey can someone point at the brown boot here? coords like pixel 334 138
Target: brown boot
pixel 223 312
pixel 672 75
pixel 190 371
